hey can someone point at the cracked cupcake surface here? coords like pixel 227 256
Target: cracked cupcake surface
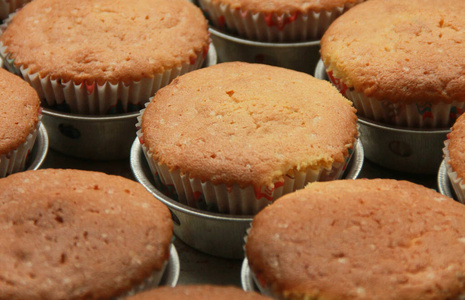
pixel 360 239
pixel 69 234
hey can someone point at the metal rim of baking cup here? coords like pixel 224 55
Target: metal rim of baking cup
pixel 300 56
pixel 97 137
pixel 444 185
pixel 39 150
pixel 402 149
pixel 212 233
pixel 171 275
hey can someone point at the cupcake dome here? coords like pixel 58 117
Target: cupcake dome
pixel 97 46
pixel 69 234
pixel 401 62
pixel 19 121
pixel 247 126
pixel 360 239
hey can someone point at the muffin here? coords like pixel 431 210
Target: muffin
pixel 275 21
pixel 198 292
pixel 360 239
pixel 454 157
pixel 103 56
pixel 9 6
pixel 70 234
pixel 400 62
pixel 236 136
pixel 19 122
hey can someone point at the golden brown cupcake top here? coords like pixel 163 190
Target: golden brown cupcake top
pixel 285 6
pixel 457 147
pixel 396 50
pixel 198 292
pixel 69 234
pixel 105 40
pixel 361 239
pixel 19 111
pixel 248 124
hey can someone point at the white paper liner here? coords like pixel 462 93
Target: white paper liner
pixel 272 27
pixel 15 160
pixel 93 98
pixel 457 183
pixel 150 282
pixel 411 115
pixel 9 6
pixel 232 199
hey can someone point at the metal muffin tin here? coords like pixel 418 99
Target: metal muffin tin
pixel 444 184
pixel 106 137
pixel 39 150
pixel 402 149
pixel 302 56
pixel 212 233
pixel 247 282
pixel 171 274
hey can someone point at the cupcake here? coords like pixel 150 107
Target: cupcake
pixel 9 6
pixel 234 137
pixel 454 157
pixel 70 234
pixel 198 292
pixel 19 122
pixel 105 56
pixel 360 239
pixel 275 21
pixel 400 62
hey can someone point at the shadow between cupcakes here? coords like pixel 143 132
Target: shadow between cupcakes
pixel 300 56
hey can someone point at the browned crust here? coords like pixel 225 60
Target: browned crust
pixel 105 40
pixel 69 234
pixel 285 6
pixel 400 51
pixel 248 124
pixel 456 147
pixel 353 239
pixel 19 111
pixel 198 292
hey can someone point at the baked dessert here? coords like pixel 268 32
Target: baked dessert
pixel 236 136
pixel 454 157
pixel 400 62
pixel 70 234
pixel 277 20
pixel 19 122
pixel 104 56
pixel 360 239
pixel 198 292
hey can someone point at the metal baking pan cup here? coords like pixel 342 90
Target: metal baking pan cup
pixel 213 233
pixel 39 150
pixel 302 56
pixel 444 184
pixel 401 149
pixel 272 27
pixel 106 137
pixel 168 277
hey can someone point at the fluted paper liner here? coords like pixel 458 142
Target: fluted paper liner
pixel 15 160
pixel 412 115
pixel 457 183
pixel 232 199
pixel 295 27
